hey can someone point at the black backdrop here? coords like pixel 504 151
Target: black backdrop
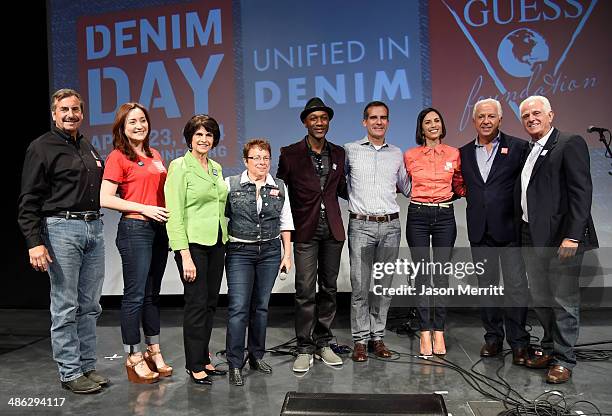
pixel 26 116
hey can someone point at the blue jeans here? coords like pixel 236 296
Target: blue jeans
pixel 369 243
pixel 251 271
pixel 77 273
pixel 143 246
pixel 433 225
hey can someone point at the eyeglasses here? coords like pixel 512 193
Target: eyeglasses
pixel 259 158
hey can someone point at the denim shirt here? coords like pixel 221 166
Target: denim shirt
pixel 245 223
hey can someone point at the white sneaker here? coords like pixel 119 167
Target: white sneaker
pixel 328 356
pixel 302 363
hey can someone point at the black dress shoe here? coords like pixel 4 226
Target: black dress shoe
pixel 204 381
pixel 261 366
pixel 215 372
pixel 235 377
pixel 490 350
pixel 519 356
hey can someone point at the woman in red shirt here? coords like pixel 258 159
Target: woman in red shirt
pixel 435 171
pixel 137 174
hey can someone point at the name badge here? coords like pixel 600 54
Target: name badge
pixel 504 151
pixel 214 171
pixel 448 166
pixel 99 163
pixel 159 165
pixel 544 152
pixel 273 192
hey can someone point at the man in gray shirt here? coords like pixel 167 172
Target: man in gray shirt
pixel 374 171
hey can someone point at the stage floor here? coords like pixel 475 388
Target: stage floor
pixel 29 371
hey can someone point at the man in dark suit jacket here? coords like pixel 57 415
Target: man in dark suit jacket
pixel 313 169
pixel 490 166
pixel 554 201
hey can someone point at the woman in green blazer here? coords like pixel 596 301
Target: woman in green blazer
pixel 197 231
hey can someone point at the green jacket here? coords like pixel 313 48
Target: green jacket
pixel 196 201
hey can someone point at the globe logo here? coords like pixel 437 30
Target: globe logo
pixel 520 51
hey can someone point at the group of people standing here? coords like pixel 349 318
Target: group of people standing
pixel 245 224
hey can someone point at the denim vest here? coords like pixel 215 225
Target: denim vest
pixel 241 209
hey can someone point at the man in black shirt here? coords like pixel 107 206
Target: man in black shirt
pixel 60 219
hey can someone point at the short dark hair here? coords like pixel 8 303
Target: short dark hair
pixel 263 144
pixel 65 93
pixel 198 121
pixel 419 125
pixel 374 104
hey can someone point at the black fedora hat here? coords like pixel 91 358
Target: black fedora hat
pixel 316 104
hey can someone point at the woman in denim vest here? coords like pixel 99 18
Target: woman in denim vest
pixel 259 221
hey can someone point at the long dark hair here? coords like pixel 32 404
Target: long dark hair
pixel 120 140
pixel 419 125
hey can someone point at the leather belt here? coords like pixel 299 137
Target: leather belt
pixel 78 215
pixel 447 204
pixel 375 218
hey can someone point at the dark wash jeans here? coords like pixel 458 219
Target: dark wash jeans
pixel 251 270
pixel 201 297
pixel 433 225
pixel 143 246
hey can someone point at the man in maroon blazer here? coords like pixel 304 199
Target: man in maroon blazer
pixel 313 169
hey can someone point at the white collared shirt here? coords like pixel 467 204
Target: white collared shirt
pixel 528 169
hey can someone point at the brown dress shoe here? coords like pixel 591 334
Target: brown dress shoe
pixel 379 348
pixel 558 374
pixel 539 361
pixel 490 350
pixel 359 352
pixel 519 356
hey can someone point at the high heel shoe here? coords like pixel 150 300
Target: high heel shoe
pixel 439 348
pixel 134 377
pixel 165 371
pixel 206 381
pixel 425 344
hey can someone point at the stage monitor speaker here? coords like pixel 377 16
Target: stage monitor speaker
pixel 349 404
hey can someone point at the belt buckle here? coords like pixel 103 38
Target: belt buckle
pixel 90 216
pixel 381 218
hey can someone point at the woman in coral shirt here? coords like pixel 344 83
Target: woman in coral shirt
pixel 435 171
